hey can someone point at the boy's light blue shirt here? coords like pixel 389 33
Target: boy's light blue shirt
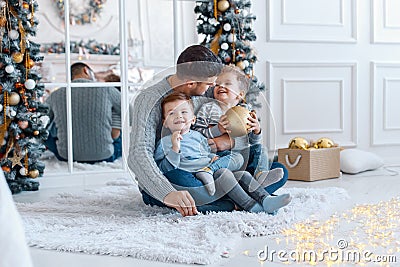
pixel 195 153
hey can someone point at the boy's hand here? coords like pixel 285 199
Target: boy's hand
pixel 224 125
pixel 254 123
pixel 176 138
pixel 214 159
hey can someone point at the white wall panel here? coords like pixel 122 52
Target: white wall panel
pixel 313 20
pixel 385 100
pixel 313 100
pixel 386 21
pixel 320 103
pixel 391 96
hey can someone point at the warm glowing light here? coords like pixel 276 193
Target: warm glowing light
pixel 368 227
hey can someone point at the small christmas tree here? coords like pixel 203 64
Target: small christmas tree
pixel 22 116
pixel 227 29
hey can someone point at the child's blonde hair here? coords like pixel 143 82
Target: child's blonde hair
pixel 244 81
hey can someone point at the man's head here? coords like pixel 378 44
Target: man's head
pixel 232 85
pixel 82 70
pixel 178 112
pixel 197 68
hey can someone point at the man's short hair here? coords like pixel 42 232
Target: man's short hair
pixel 197 61
pixel 77 68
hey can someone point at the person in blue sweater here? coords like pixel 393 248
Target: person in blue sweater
pixel 183 148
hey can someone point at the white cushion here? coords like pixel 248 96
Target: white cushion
pixel 354 161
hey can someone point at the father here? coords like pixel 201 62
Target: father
pixel 197 69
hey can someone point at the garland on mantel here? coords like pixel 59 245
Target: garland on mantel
pixel 82 48
pixel 81 11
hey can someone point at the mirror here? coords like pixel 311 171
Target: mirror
pixel 97 43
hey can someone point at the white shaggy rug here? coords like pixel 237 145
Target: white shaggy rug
pixel 113 220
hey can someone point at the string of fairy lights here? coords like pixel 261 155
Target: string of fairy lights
pixel 365 234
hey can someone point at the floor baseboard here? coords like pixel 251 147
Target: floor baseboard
pixel 80 178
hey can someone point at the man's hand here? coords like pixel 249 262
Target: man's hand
pixel 254 123
pixel 182 201
pixel 221 143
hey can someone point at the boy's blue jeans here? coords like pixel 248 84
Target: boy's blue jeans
pixel 183 180
pixel 186 179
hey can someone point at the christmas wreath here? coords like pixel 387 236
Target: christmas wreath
pixel 81 11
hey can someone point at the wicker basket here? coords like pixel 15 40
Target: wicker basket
pixel 311 165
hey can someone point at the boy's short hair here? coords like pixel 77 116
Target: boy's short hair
pixel 244 81
pixel 197 61
pixel 174 97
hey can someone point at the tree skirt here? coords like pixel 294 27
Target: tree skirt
pixel 114 221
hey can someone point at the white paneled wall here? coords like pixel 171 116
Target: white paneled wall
pixel 386 21
pixel 314 99
pixel 332 69
pixel 312 20
pixel 386 96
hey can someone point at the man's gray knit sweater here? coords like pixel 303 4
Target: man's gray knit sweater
pixel 146 132
pixel 92 109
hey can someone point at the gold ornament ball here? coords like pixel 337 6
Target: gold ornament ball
pixel 223 5
pixel 31 63
pixel 36 132
pixel 19 85
pixel 17 57
pixel 33 173
pixel 14 99
pixel 3 21
pixel 241 65
pixel 238 118
pixel 324 143
pixel 6 168
pixel 25 5
pixel 299 143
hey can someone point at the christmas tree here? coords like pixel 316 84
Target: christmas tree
pixel 227 29
pixel 23 116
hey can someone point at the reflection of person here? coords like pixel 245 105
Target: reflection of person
pixel 113 78
pixel 92 111
pixel 229 92
pixel 115 132
pixel 197 69
pixel 183 148
pixel 13 248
